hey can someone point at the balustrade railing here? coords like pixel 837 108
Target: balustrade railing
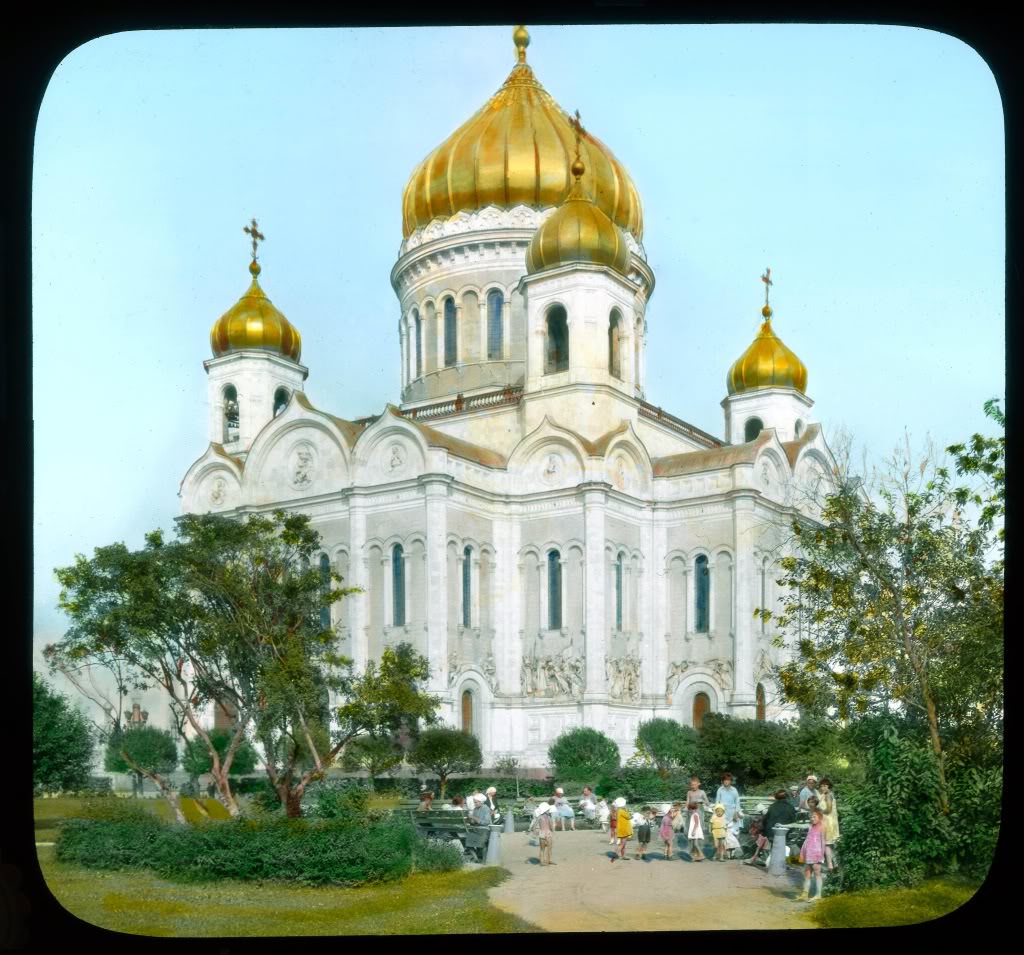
pixel 462 405
pixel 677 424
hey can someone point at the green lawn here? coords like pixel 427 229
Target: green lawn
pixel 140 903
pixel 884 907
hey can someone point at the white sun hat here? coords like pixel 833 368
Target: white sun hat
pixel 559 791
pixel 620 802
pixel 542 808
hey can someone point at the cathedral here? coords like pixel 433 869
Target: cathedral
pixel 564 552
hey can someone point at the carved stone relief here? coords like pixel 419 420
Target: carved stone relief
pixel 553 676
pixel 623 675
pixel 302 465
pixel 676 672
pixel 218 491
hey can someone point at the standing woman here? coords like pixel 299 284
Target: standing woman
pixel 827 806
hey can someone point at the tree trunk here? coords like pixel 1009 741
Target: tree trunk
pixel 933 730
pixel 443 780
pixel 292 803
pixel 227 796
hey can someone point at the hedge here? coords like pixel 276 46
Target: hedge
pixel 312 852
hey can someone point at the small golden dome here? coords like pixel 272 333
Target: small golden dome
pixel 253 322
pixel 515 151
pixel 577 231
pixel 767 363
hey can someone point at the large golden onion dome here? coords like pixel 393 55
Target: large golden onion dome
pixel 577 231
pixel 253 322
pixel 516 151
pixel 767 363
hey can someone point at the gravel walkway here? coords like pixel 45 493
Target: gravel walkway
pixel 586 892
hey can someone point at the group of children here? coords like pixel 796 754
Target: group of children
pixel 622 824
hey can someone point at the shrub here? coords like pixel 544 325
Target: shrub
pixel 435 855
pixel 752 750
pixel 975 797
pixel 583 753
pixel 666 744
pixel 343 799
pixel 313 852
pixel 445 751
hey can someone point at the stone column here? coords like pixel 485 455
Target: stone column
pixel 460 338
pixel 660 589
pixel 483 316
pixel 406 602
pixel 461 589
pixel 744 701
pixel 595 497
pixel 358 604
pixel 439 314
pixel 646 605
pixel 435 490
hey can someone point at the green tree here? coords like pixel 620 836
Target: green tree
pixel 196 759
pixel 666 744
pixel 62 741
pixel 446 751
pixel 376 754
pixel 892 605
pixel 583 752
pixel 146 751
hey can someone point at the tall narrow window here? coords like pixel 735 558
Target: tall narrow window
pixel 280 400
pixel 554 590
pixel 614 329
pixel 467 583
pixel 760 702
pixel 752 429
pixel 638 337
pixel 398 584
pixel 764 592
pixel 701 704
pixel 618 593
pixel 467 712
pixel 798 428
pixel 702 581
pixel 556 357
pixel 451 331
pixel 230 414
pixel 418 323
pixel 325 586
pixel 495 303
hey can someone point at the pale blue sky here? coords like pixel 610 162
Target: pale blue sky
pixel 863 164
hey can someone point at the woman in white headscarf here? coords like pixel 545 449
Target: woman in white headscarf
pixel 563 810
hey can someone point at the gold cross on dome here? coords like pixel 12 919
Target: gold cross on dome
pixel 767 279
pixel 575 123
pixel 257 236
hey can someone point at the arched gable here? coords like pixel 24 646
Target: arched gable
pixel 549 457
pixel 391 449
pixel 212 483
pixel 627 464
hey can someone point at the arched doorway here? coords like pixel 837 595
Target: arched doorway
pixel 467 711
pixel 701 705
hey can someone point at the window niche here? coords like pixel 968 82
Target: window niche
pixel 495 333
pixel 451 331
pixel 231 417
pixel 556 341
pixel 614 345
pixel 752 429
pixel 281 397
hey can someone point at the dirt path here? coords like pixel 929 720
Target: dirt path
pixel 585 892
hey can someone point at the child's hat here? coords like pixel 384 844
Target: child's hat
pixel 542 808
pixel 718 806
pixel 620 802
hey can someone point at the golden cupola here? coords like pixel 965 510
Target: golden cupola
pixel 253 322
pixel 577 231
pixel 517 150
pixel 767 363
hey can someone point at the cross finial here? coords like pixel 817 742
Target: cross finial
pixel 577 166
pixel 256 235
pixel 767 279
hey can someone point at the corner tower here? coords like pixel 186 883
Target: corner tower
pixel 766 386
pixel 255 368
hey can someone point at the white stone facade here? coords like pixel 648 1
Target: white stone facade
pixel 564 553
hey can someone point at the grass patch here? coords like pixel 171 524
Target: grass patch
pixel 386 801
pixel 141 903
pixel 48 812
pixel 884 907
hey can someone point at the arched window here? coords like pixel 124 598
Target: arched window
pixel 798 428
pixel 614 329
pixel 418 322
pixel 451 331
pixel 701 705
pixel 618 593
pixel 760 702
pixel 467 583
pixel 702 582
pixel 752 429
pixel 398 585
pixel 325 586
pixel 467 712
pixel 280 400
pixel 495 303
pixel 230 414
pixel 554 590
pixel 556 355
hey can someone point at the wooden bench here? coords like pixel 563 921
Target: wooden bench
pixel 450 824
